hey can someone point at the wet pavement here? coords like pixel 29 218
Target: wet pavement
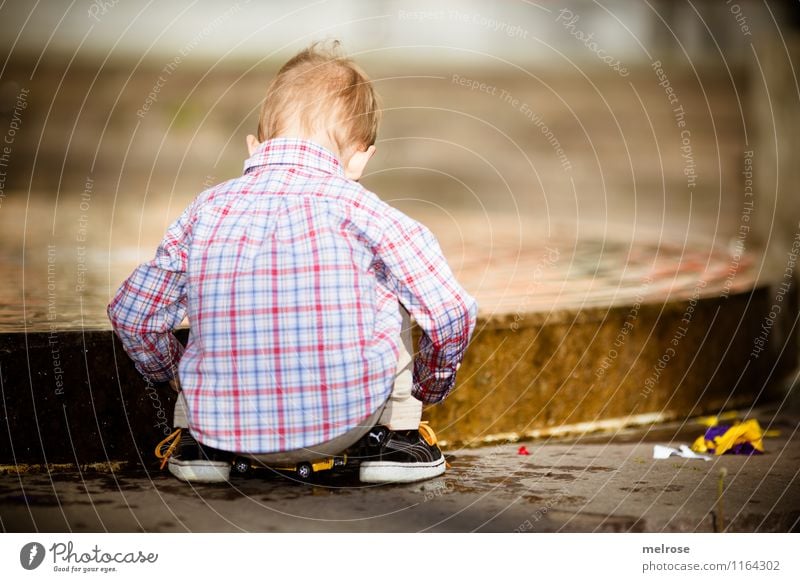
pixel 586 484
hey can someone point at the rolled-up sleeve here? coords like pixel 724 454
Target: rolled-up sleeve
pixel 427 288
pixel 152 302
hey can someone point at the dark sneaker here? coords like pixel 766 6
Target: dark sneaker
pixel 191 461
pixel 400 456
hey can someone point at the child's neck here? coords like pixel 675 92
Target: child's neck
pixel 318 138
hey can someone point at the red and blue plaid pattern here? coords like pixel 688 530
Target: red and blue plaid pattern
pixel 290 277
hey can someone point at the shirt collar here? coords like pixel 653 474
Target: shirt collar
pixel 286 151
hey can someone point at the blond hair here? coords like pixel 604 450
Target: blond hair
pixel 323 91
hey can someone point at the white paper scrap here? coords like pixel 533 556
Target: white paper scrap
pixel 662 452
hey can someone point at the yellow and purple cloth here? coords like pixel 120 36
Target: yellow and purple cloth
pixel 744 438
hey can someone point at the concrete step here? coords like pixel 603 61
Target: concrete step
pixel 599 338
pixel 561 372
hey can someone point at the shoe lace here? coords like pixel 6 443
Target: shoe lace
pixel 171 443
pixel 426 432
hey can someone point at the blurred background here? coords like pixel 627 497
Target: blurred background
pixel 607 130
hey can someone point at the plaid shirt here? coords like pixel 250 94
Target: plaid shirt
pixel 290 277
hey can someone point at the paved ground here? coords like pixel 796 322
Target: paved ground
pixel 598 483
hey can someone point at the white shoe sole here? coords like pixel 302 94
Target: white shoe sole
pixel 200 471
pixel 396 472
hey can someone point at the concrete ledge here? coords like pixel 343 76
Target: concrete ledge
pixel 550 373
pixel 75 397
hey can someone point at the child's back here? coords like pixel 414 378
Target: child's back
pixel 293 277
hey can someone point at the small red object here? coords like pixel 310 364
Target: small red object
pixel 522 451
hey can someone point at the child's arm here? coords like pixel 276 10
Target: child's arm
pixel 152 302
pixel 442 308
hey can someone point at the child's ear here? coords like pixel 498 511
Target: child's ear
pixel 355 167
pixel 252 143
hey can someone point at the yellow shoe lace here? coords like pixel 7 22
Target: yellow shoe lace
pixel 427 433
pixel 164 455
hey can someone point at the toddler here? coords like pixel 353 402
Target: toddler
pixel 298 283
